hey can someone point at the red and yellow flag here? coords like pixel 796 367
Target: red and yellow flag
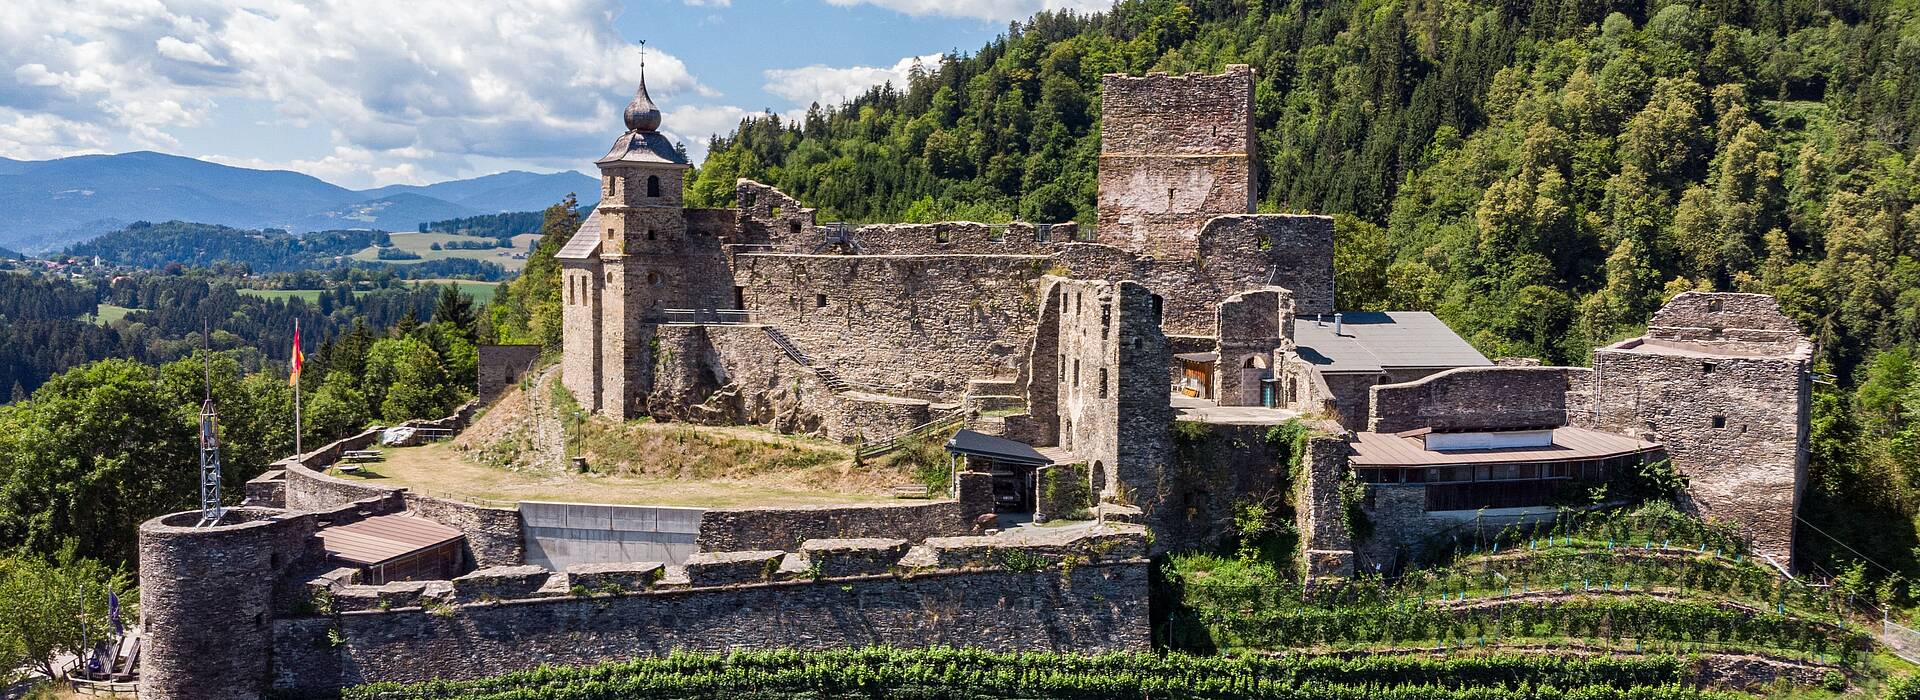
pixel 299 358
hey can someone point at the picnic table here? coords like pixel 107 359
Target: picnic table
pixel 362 456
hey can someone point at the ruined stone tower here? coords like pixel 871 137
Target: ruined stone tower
pixel 1724 382
pixel 1175 151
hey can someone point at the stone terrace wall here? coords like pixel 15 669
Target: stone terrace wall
pixel 1477 398
pixel 784 529
pixel 903 325
pixel 1094 607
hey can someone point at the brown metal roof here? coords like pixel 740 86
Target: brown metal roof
pixel 1389 450
pixel 384 537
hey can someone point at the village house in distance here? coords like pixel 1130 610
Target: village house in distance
pixel 1122 377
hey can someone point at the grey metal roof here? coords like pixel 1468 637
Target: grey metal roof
pixel 643 147
pixel 584 241
pixel 968 442
pixel 1371 341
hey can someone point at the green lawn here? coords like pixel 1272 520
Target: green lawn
pixel 422 244
pixel 107 314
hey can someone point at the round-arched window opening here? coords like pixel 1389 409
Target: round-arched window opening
pixel 653 279
pixel 1099 478
pixel 653 185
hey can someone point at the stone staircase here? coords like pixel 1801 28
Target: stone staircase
pixel 827 375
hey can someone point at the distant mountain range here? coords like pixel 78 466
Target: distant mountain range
pixel 48 205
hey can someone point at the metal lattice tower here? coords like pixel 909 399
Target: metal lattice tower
pixel 211 508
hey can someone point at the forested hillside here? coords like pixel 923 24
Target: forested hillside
pixel 1541 174
pixel 143 244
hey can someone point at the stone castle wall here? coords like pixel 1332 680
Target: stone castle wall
pixel 1477 398
pixel 1175 151
pixel 904 325
pixel 1736 427
pixel 963 238
pixel 500 366
pixel 783 529
pixel 1326 547
pixel 1745 323
pixel 1092 608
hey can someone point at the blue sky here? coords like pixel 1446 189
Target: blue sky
pixel 372 92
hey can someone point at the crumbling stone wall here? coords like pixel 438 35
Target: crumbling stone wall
pixel 783 529
pixel 1174 152
pixel 918 326
pixel 1110 395
pixel 1094 607
pixel 581 317
pixel 1233 254
pixel 770 217
pixel 1735 426
pixel 1251 325
pixel 860 416
pixel 962 238
pixel 1751 324
pixel 1476 398
pixel 1214 467
pixel 500 366
pixel 736 375
pixel 1064 491
pixel 1326 545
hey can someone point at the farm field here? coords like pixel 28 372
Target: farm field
pixel 422 244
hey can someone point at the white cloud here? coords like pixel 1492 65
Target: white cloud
pixel 407 90
pixel 831 86
pixel 996 10
pixel 710 3
pixel 182 51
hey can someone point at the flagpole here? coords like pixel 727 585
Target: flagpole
pixel 296 389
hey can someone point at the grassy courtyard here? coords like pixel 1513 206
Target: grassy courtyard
pixel 670 465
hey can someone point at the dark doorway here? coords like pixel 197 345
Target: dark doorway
pixel 740 297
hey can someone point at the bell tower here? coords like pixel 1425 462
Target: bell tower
pixel 643 228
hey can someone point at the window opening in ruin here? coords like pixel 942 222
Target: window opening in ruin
pixel 1103 382
pixel 1248 364
pixel 1719 421
pixel 1099 477
pixel 1063 303
pixel 1062 371
pixel 740 297
pixel 1079 303
pixel 793 227
pixel 1707 367
pixel 651 235
pixel 259 620
pixel 653 185
pixel 1158 304
pixel 819 301
pixel 1076 372
pixel 571 283
pixel 942 237
pixel 609 277
pixel 775 211
pixel 1713 306
pixel 653 279
pixel 1169 198
pixel 1106 320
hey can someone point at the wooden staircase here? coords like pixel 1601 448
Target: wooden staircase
pixel 835 383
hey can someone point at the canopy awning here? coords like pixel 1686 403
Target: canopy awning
pixel 975 444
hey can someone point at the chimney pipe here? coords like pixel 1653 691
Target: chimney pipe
pixel 1336 324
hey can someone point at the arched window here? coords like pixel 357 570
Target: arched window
pixel 653 185
pixel 651 235
pixel 1099 477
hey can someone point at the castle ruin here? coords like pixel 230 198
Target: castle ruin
pixel 1127 375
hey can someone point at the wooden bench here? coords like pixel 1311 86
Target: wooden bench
pixel 909 491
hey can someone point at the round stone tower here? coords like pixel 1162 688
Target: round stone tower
pixel 206 604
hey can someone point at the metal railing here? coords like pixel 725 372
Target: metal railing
pixel 700 316
pixel 868 450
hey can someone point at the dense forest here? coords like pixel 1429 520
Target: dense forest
pixel 1540 174
pixel 148 245
pixel 43 332
pixel 500 226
